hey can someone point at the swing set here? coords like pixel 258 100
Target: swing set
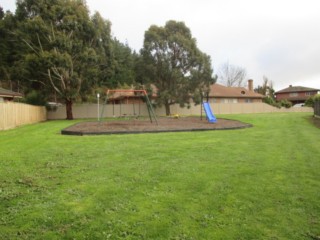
pixel 142 93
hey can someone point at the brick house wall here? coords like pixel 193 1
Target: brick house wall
pixel 295 96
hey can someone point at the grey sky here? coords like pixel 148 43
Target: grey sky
pixel 276 38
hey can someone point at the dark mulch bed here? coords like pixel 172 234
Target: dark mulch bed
pixel 165 124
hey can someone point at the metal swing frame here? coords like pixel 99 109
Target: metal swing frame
pixel 151 112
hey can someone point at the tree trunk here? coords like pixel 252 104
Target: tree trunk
pixel 167 106
pixel 69 109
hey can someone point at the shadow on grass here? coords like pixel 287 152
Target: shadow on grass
pixel 315 121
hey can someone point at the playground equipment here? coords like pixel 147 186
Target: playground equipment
pixel 210 116
pixel 142 93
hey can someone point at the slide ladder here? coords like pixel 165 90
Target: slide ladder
pixel 211 118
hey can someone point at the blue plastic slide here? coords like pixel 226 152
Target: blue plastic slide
pixel 211 118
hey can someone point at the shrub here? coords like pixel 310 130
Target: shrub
pixel 285 103
pixel 35 98
pixel 312 99
pixel 271 101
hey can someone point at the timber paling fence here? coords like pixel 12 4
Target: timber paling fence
pixel 91 110
pixel 317 108
pixel 16 114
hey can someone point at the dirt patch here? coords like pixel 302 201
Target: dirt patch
pixel 145 126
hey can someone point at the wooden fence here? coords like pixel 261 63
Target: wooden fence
pixel 91 110
pixel 317 109
pixel 16 114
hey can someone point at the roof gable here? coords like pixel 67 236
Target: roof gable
pixel 297 89
pixel 217 90
pixel 9 93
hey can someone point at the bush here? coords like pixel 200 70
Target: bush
pixel 312 99
pixel 35 98
pixel 271 101
pixel 285 103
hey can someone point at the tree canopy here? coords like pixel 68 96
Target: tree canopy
pixel 175 65
pixel 56 51
pixel 62 41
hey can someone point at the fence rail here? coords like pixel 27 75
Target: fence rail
pixel 317 108
pixel 91 110
pixel 16 114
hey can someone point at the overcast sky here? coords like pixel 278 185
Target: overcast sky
pixel 276 38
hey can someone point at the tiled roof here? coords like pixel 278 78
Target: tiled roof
pixel 297 89
pixel 217 90
pixel 8 93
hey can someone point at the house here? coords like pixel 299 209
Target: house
pixel 222 94
pixel 7 95
pixel 217 94
pixel 295 94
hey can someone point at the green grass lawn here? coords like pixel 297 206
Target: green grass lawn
pixel 256 183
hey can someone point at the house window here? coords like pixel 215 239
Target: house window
pixel 308 93
pixel 229 100
pixel 294 94
pixel 248 100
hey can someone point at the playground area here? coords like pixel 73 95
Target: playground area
pixel 164 124
pixel 153 124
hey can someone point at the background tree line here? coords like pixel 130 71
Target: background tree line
pixel 56 51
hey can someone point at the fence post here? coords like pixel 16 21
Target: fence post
pixel 317 108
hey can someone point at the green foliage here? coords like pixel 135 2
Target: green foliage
pixel 123 64
pixel 271 101
pixel 36 98
pixel 312 99
pixel 64 46
pixel 266 89
pixel 242 184
pixel 55 47
pixel 11 60
pixel 174 64
pixel 1 13
pixel 285 103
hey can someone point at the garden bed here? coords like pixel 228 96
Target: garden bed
pixel 164 124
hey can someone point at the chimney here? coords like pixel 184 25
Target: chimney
pixel 250 85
